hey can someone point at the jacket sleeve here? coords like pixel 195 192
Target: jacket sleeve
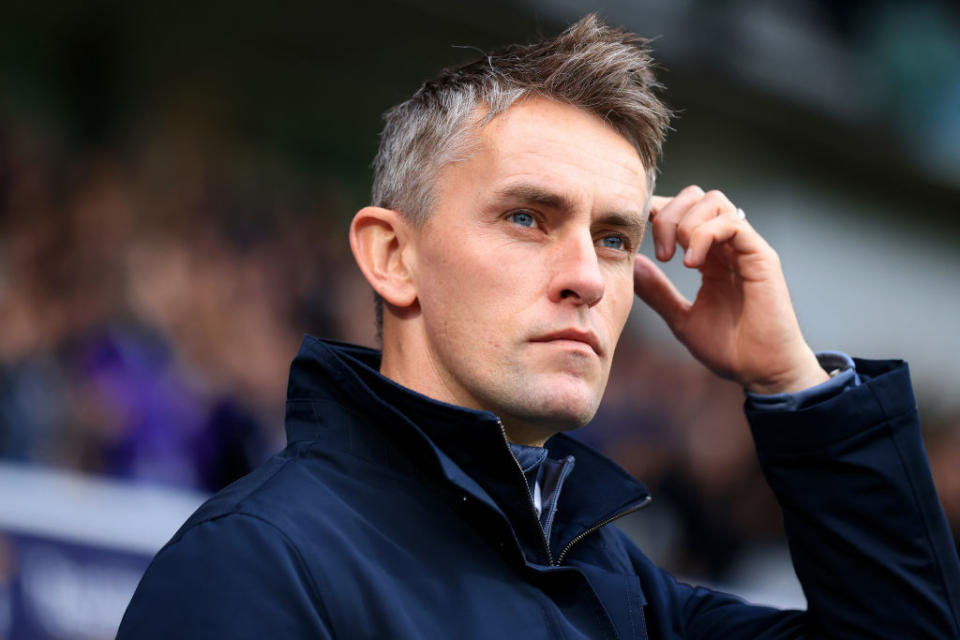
pixel 868 538
pixel 236 576
pixel 867 535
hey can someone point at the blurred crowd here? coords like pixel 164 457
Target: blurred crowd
pixel 153 294
pixel 148 310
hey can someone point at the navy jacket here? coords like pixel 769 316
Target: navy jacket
pixel 390 515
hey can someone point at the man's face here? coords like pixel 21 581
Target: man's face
pixel 524 268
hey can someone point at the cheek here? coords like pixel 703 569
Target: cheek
pixel 468 294
pixel 482 273
pixel 447 259
pixel 621 298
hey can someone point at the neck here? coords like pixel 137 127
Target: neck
pixel 528 437
pixel 403 362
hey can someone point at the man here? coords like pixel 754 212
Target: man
pixel 425 493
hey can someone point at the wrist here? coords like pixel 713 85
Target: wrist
pixel 807 374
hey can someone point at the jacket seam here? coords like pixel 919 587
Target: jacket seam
pixel 917 502
pixel 301 562
pixel 239 510
pixel 940 562
pixel 235 508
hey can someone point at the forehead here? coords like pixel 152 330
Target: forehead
pixel 561 148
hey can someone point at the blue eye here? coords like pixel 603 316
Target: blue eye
pixel 522 218
pixel 613 242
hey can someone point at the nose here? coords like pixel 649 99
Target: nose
pixel 576 275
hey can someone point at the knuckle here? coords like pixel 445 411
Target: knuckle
pixel 700 235
pixel 770 256
pixel 718 199
pixel 692 190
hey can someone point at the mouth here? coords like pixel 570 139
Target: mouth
pixel 572 335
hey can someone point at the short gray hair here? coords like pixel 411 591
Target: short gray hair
pixel 602 70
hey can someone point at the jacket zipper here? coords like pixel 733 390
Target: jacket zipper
pixel 533 508
pixel 566 549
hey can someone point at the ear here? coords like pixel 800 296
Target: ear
pixel 379 240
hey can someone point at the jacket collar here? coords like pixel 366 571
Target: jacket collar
pixel 467 446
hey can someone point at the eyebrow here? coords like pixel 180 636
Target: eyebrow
pixel 535 195
pixel 528 193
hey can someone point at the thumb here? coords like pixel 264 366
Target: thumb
pixel 653 286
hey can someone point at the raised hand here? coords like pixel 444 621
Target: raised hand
pixel 741 325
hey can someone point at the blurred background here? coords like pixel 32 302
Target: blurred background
pixel 175 189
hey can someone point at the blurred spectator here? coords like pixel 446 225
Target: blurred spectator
pixel 943 447
pixel 149 346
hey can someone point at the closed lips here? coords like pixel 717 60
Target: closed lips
pixel 575 335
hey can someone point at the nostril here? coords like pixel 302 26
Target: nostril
pixel 566 293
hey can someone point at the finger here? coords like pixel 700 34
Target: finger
pixel 657 203
pixel 653 286
pixel 711 205
pixel 666 218
pixel 728 230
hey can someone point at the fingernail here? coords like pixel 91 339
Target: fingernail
pixel 659 250
pixel 688 255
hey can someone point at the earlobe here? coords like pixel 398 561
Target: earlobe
pixel 379 241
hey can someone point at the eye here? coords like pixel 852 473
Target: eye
pixel 614 241
pixel 522 218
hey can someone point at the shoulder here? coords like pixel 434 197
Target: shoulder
pixel 276 495
pixel 237 566
pixel 248 521
pixel 303 503
pixel 237 575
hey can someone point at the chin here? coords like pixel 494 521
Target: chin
pixel 560 407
